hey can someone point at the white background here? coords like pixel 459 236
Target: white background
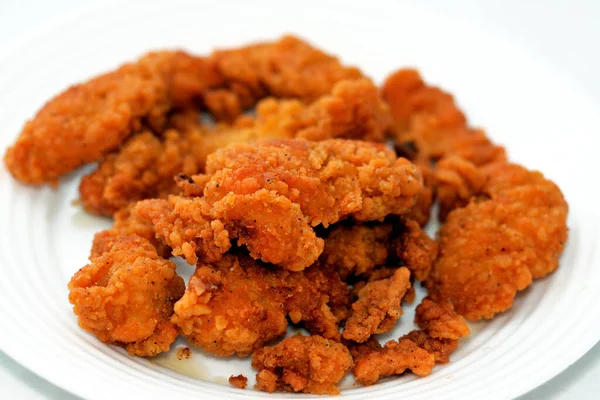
pixel 564 33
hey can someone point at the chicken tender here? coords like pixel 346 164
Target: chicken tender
pixel 428 120
pixel 286 68
pixel 441 328
pixel 308 364
pixel 415 249
pixel 373 362
pixel 238 305
pixel 269 195
pixel 145 165
pixel 330 180
pixel 125 295
pixel 357 249
pixel 493 247
pixel 89 120
pixel 361 250
pixel 378 307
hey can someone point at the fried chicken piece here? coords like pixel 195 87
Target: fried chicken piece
pixel 428 119
pixel 458 180
pixel 286 68
pixel 421 211
pixel 441 328
pixel 357 249
pixel 482 262
pixel 236 305
pixel 495 246
pixel 125 295
pixel 532 204
pixel 89 120
pixel 378 307
pixel 330 180
pixel 373 362
pixel 416 250
pixel 361 250
pixel 144 166
pixel 267 195
pixel 308 364
pixel 239 381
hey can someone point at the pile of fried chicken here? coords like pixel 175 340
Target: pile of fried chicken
pixel 298 213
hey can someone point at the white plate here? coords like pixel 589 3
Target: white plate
pixel 540 116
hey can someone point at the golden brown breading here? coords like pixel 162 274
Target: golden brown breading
pixel 373 362
pixel 239 381
pixel 361 250
pixel 237 305
pixel 89 120
pixel 428 119
pixel 125 295
pixel 286 68
pixel 441 328
pixel 144 166
pixel 482 263
pixel 421 211
pixel 494 246
pixel 330 180
pixel 378 307
pixel 357 249
pixel 308 364
pixel 458 180
pixel 267 195
pixel 416 250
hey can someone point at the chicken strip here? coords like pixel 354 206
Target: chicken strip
pixel 416 250
pixel 89 120
pixel 441 328
pixel 427 120
pixel 373 362
pixel 308 364
pixel 237 305
pixel 286 68
pixel 361 250
pixel 269 195
pixel 145 165
pixel 494 246
pixel 125 295
pixel 378 307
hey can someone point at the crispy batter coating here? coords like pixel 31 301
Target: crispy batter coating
pixel 144 166
pixel 441 328
pixel 458 180
pixel 330 180
pixel 378 307
pixel 373 362
pixel 89 120
pixel 237 305
pixel 125 295
pixel 440 320
pixel 308 364
pixel 427 120
pixel 482 262
pixel 361 250
pixel 286 68
pixel 493 247
pixel 416 249
pixel 238 381
pixel 421 211
pixel 357 249
pixel 267 195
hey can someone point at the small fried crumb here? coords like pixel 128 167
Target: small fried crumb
pixel 184 353
pixel 239 381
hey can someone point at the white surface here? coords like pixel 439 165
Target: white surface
pixel 561 37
